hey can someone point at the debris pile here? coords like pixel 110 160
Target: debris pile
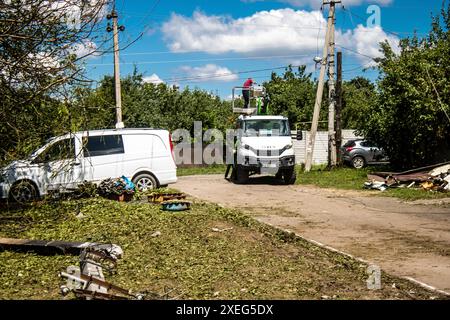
pixel 121 189
pixel 431 178
pixel 88 281
pixel 170 201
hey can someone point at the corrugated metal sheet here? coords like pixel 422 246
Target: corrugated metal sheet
pixel 320 155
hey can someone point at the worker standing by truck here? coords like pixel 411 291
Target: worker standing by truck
pixel 246 92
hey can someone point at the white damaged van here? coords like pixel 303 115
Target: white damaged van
pixel 143 155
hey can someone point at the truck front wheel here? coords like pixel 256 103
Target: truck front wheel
pixel 241 175
pixel 289 176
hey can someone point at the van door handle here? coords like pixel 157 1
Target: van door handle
pixel 75 164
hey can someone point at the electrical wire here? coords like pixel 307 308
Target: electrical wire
pixel 437 94
pixel 202 60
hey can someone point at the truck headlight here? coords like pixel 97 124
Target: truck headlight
pixel 286 147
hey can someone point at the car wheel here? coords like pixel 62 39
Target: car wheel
pixel 23 191
pixel 145 182
pixel 358 162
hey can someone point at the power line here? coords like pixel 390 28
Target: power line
pixel 227 74
pixel 203 60
pixel 355 51
pixel 395 33
pixel 362 66
pixel 437 94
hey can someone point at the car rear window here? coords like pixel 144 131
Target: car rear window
pixel 102 145
pixel 350 143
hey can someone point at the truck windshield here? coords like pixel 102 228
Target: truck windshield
pixel 269 127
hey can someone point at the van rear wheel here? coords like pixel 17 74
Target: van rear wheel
pixel 145 182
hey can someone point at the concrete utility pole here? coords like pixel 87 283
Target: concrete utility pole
pixel 339 107
pixel 329 41
pixel 332 99
pixel 115 29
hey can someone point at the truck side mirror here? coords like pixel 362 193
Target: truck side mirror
pixel 299 135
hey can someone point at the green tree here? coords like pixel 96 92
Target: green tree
pixel 293 95
pixel 408 119
pixel 358 97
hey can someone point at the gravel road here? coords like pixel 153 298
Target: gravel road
pixel 405 239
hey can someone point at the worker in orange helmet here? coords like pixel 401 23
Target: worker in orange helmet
pixel 246 92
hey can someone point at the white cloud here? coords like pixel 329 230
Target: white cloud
pixel 263 32
pixel 274 32
pixel 209 72
pixel 84 48
pixel 366 41
pixel 154 78
pixel 317 3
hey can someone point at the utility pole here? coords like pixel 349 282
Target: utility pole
pixel 332 100
pixel 319 94
pixel 115 29
pixel 339 107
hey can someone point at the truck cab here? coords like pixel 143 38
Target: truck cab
pixel 264 146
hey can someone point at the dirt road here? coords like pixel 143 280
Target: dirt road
pixel 405 239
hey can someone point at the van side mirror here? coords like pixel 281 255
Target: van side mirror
pixel 299 135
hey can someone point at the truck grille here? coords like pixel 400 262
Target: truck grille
pixel 269 153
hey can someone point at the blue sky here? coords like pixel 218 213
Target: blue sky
pixel 215 45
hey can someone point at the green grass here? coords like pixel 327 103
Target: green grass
pixel 340 178
pixel 212 169
pixel 249 261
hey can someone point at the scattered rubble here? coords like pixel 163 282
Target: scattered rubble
pixel 120 189
pixel 436 179
pixel 88 281
pixel 56 247
pixel 170 201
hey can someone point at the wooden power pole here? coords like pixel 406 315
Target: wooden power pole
pixel 115 29
pixel 339 107
pixel 327 48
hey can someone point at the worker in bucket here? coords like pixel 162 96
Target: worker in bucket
pixel 246 92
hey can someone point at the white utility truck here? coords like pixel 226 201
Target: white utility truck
pixel 263 144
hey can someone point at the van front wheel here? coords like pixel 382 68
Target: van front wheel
pixel 145 182
pixel 23 191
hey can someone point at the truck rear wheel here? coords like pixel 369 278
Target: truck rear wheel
pixel 241 175
pixel 289 176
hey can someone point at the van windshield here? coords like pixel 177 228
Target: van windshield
pixel 269 127
pixel 35 152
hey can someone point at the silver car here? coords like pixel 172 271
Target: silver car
pixel 359 153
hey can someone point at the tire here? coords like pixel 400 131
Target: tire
pixel 279 174
pixel 241 175
pixel 289 176
pixel 145 182
pixel 358 162
pixel 23 191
